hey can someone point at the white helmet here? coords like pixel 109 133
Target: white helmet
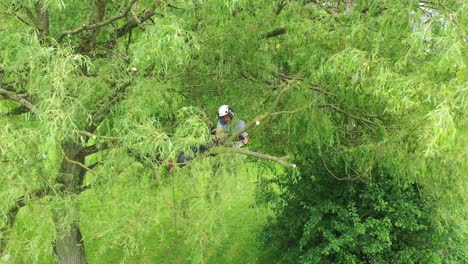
pixel 225 110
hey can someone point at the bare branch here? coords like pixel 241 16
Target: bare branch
pixel 79 164
pixel 96 25
pixel 5 94
pixel 91 135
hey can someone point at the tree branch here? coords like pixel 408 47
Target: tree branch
pixel 79 164
pixel 30 15
pixel 136 21
pixel 93 149
pixel 259 155
pixel 291 111
pixel 5 94
pixel 96 25
pixel 91 135
pixel 12 12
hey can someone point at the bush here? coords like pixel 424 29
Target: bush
pixel 324 220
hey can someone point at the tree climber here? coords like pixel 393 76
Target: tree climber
pixel 226 127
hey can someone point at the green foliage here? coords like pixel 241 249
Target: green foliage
pixel 374 118
pixel 323 220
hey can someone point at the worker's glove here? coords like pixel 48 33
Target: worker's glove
pixel 213 131
pixel 243 140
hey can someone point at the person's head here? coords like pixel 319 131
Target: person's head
pixel 225 113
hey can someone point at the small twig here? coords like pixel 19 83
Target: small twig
pixel 316 88
pixel 363 120
pixel 332 174
pixel 420 193
pixel 76 162
pixel 91 135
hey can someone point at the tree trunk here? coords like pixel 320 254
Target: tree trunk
pixel 69 246
pixel 42 22
pixel 89 39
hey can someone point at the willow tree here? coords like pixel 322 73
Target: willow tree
pixel 358 96
pixel 95 90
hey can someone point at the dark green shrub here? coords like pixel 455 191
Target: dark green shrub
pixel 324 220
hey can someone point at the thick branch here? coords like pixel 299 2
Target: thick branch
pixel 79 164
pixel 91 150
pixel 42 21
pixel 5 94
pixel 136 21
pixel 96 25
